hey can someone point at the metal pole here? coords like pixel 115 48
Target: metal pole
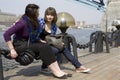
pixel 106 21
pixel 1 68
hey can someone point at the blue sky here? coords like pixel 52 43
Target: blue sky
pixel 79 11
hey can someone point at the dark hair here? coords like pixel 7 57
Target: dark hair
pixel 51 11
pixel 32 13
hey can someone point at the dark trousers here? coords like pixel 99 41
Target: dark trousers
pixel 43 50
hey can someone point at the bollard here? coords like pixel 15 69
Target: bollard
pixel 98 38
pixel 99 42
pixel 69 41
pixel 1 68
pixel 72 43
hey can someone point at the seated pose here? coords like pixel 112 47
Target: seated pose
pixel 49 27
pixel 27 29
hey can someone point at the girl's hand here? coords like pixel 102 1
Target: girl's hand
pixel 13 53
pixel 43 41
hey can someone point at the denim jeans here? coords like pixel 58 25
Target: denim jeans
pixel 71 58
pixel 67 54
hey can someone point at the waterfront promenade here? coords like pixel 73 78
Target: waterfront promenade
pixel 104 66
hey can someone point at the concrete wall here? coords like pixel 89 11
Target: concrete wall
pixel 7 19
pixel 112 12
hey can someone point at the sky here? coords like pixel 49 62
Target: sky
pixel 79 11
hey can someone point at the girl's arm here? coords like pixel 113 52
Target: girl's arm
pixel 13 53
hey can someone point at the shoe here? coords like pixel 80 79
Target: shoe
pixel 61 77
pixel 83 70
pixel 118 46
pixel 68 75
pixel 5 53
pixel 46 70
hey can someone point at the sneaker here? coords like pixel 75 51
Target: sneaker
pixel 83 69
pixel 46 70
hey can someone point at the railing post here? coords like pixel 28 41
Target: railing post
pixel 69 41
pixel 1 68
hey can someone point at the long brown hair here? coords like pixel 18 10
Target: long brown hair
pixel 31 11
pixel 51 11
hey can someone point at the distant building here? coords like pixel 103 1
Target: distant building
pixel 80 24
pixel 7 19
pixel 112 13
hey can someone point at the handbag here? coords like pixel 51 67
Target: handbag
pixel 27 56
pixel 24 58
pixel 55 41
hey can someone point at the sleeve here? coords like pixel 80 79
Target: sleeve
pixel 42 23
pixel 12 30
pixel 42 26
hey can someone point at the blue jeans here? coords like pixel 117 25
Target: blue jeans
pixel 68 55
